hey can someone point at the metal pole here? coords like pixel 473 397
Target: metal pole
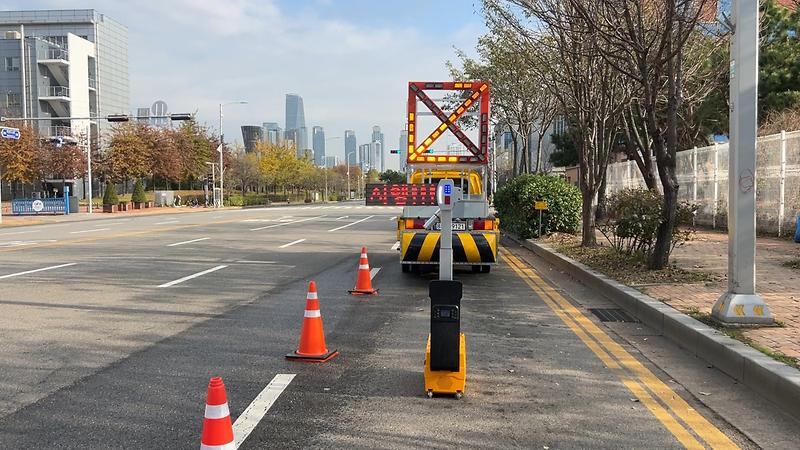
pixel 446 245
pixel 694 174
pixel 740 304
pixel 23 71
pixel 782 200
pixel 1 198
pixel 221 168
pixel 89 165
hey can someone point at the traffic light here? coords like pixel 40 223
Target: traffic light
pixel 181 116
pixel 209 178
pixel 117 118
pixel 394 152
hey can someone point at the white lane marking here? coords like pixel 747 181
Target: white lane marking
pixel 351 224
pixel 285 223
pixel 343 217
pixel 194 275
pixel 89 231
pixel 292 243
pixel 256 262
pixel 255 411
pixel 11 275
pixel 188 242
pixel 19 232
pixel 24 243
pixel 116 222
pixel 374 271
pixel 396 246
pixel 167 222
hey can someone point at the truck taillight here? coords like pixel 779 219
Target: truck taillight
pixel 415 224
pixel 482 224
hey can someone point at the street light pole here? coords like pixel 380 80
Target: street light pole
pixel 89 164
pixel 740 304
pixel 220 150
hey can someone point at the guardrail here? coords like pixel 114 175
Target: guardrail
pixel 30 206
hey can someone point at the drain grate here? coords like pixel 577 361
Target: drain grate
pixel 612 315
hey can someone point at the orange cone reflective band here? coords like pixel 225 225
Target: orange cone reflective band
pixel 217 428
pixel 312 336
pixel 363 279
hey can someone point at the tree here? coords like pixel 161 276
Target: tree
pixel 64 161
pixel 372 176
pixel 392 176
pixel 110 196
pixel 646 42
pixel 244 171
pixel 128 154
pixel 138 192
pixel 195 148
pixel 20 159
pixel 779 58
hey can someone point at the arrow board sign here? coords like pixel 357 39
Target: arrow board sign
pixel 10 133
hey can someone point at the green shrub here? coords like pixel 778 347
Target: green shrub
pixel 633 217
pixel 514 203
pixel 110 196
pixel 138 193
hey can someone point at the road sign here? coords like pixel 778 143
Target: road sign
pixel 478 94
pixel 540 205
pixel 10 133
pixel 37 205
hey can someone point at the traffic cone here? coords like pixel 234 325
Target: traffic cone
pixel 363 280
pixel 312 337
pixel 217 428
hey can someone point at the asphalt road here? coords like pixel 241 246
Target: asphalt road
pixel 112 328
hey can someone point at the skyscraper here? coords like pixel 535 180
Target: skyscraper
pixel 296 123
pixel 363 157
pixel 350 147
pixel 318 142
pixel 377 136
pixel 272 133
pixel 376 158
pixel 251 136
pixel 403 149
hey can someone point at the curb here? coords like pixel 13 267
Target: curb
pixel 774 380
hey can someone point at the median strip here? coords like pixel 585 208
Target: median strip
pixel 192 276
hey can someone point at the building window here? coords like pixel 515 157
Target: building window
pixel 13 100
pixel 12 64
pixel 61 41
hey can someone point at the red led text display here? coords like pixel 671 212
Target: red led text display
pixel 401 194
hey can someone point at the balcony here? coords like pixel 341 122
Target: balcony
pixel 59 130
pixel 54 55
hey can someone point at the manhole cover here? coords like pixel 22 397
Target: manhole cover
pixel 612 315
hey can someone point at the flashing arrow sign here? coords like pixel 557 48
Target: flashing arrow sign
pixel 9 133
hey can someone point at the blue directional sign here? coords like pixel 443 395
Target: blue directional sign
pixel 9 133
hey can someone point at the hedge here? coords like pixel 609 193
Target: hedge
pixel 514 203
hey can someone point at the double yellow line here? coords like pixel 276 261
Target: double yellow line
pixel 668 407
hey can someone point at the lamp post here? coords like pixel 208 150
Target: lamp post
pixel 347 158
pixel 219 149
pixel 325 168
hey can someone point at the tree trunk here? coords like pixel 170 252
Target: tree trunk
pixel 588 238
pixel 515 154
pixel 540 140
pixel 602 199
pixel 663 245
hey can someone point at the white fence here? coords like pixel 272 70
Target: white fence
pixel 703 178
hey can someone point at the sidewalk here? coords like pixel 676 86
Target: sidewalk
pixel 778 284
pixel 18 221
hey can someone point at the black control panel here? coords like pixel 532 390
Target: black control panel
pixel 445 324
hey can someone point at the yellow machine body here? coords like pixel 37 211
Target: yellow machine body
pixel 444 381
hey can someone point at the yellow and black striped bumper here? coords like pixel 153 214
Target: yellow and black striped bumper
pixel 468 247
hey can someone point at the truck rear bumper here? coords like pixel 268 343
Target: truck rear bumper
pixel 469 248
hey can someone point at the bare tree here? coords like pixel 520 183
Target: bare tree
pixel 586 87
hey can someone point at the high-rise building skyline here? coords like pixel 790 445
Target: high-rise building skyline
pixel 296 123
pixel 318 145
pixel 251 136
pixel 363 157
pixel 350 147
pixel 272 133
pixel 332 161
pixel 377 136
pixel 403 153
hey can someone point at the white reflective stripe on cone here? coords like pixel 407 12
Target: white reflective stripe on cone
pixel 228 446
pixel 363 255
pixel 363 266
pixel 311 296
pixel 217 411
pixel 314 313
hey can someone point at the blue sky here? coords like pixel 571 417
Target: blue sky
pixel 350 60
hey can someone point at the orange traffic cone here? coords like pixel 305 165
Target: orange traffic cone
pixel 364 279
pixel 312 337
pixel 217 428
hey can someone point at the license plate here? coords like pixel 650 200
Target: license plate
pixel 456 226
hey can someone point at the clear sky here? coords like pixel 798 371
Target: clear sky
pixel 350 60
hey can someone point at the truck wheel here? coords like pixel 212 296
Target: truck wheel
pixel 406 268
pixel 486 269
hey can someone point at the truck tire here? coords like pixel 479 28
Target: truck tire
pixel 406 268
pixel 486 269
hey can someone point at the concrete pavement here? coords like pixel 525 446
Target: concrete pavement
pixel 112 345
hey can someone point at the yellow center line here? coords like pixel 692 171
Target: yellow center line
pixel 117 235
pixel 574 318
